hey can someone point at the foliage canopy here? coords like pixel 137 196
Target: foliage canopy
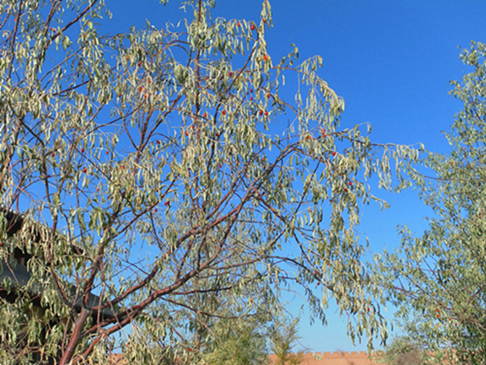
pixel 438 280
pixel 168 173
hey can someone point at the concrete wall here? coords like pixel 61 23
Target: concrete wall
pixel 316 358
pixel 334 358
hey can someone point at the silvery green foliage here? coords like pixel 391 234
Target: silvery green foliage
pixel 438 279
pixel 169 173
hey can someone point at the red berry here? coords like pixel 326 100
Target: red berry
pixel 334 153
pixel 224 112
pixel 155 210
pixel 82 150
pixel 251 98
pixel 230 74
pixel 107 152
pixel 140 88
pixel 308 137
pixel 204 115
pixel 139 64
pixel 158 142
pixel 350 183
pixel 85 170
pixel 148 81
pixel 266 113
pixel 252 27
pixel 166 203
pixel 346 190
pixel 251 90
pixel 261 112
pixel 239 24
pixel 268 96
pixel 219 165
pixel 368 309
pixel 187 133
pixel 128 58
pixel 265 57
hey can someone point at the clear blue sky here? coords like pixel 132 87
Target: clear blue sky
pixel 390 60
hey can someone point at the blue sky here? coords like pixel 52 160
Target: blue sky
pixel 390 60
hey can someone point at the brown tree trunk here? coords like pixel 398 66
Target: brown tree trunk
pixel 76 336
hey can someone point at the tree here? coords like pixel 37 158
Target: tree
pixel 438 280
pixel 402 351
pixel 283 335
pixel 240 343
pixel 162 170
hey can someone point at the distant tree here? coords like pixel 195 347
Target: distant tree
pixel 282 336
pixel 175 179
pixel 240 343
pixel 438 279
pixel 402 351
